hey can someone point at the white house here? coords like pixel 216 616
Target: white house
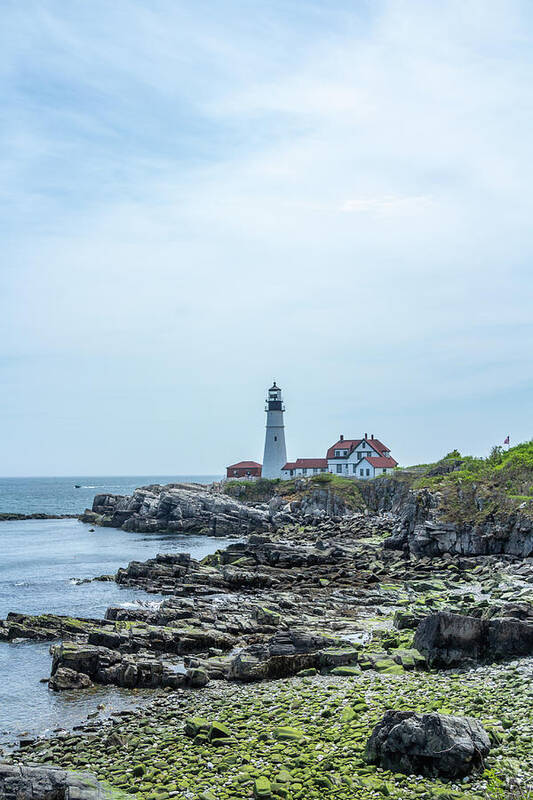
pixel 352 458
pixel 304 467
pixel 360 458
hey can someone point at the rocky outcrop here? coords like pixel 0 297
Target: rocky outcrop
pixel 48 783
pixel 424 529
pixel 428 744
pixel 44 627
pixel 313 503
pixel 184 508
pixel 289 652
pixel 386 494
pixel 77 663
pixel 448 640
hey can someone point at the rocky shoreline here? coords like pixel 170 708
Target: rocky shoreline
pixel 295 641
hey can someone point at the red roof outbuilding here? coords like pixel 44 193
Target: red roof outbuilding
pixel 244 469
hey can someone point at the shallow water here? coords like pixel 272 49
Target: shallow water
pixel 40 561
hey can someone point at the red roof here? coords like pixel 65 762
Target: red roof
pixel 351 444
pixel 343 444
pixel 307 463
pixel 244 465
pixel 381 461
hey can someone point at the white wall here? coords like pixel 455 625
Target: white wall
pixel 299 472
pixel 275 453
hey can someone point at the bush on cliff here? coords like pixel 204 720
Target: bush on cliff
pixel 479 487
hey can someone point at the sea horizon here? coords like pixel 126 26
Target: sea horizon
pixel 72 494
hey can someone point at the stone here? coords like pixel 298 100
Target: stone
pixel 197 677
pixel 218 730
pixel 65 678
pixel 194 725
pixel 262 788
pixel 346 671
pixel 286 733
pixel 428 744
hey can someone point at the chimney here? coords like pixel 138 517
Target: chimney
pixel 371 435
pixel 342 438
pixel 366 435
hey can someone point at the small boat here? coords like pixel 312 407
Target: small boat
pixel 77 486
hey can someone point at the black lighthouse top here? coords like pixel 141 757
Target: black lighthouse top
pixel 274 402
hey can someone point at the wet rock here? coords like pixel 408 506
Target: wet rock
pixel 65 678
pixel 105 666
pixel 428 744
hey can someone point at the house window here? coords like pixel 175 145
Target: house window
pixel 235 472
pixel 292 472
pixel 384 470
pixel 361 472
pixel 304 471
pixel 336 453
pixel 314 471
pixel 339 467
pixel 354 469
pixel 368 472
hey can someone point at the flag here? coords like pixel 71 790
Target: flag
pixel 506 440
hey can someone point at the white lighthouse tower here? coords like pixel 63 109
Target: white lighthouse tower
pixel 275 455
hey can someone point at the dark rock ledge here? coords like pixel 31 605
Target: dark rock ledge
pixel 48 783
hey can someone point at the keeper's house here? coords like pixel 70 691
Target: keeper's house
pixel 351 458
pixel 244 469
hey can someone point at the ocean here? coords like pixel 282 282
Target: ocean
pixel 40 562
pixel 60 495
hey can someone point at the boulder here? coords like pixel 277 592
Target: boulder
pixel 65 678
pixel 197 677
pixel 447 639
pixel 428 744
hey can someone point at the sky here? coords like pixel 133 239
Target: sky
pixel 201 197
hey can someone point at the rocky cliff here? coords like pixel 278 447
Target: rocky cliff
pixel 449 515
pixel 425 526
pixel 184 508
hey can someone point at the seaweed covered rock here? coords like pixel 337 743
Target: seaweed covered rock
pixel 428 744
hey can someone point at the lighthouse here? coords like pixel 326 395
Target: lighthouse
pixel 275 455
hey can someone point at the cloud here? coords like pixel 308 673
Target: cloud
pixel 387 204
pixel 338 197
